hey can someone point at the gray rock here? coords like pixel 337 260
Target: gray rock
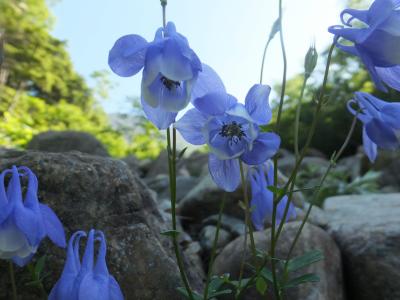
pixel 205 198
pixel 94 192
pixel 388 163
pixel 160 166
pixel 133 164
pixel 317 216
pixel 367 230
pixel 329 269
pixel 65 141
pixel 207 236
pixel 233 225
pixel 196 163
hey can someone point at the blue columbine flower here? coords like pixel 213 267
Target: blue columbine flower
pixel 261 177
pixel 24 222
pixel 381 122
pixel 86 280
pixel 171 72
pixel 231 130
pixel 378 44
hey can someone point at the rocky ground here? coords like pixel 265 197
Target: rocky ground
pixel 128 199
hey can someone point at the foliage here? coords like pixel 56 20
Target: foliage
pixel 347 75
pixel 338 182
pixel 40 90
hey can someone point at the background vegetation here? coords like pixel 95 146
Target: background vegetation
pixel 40 90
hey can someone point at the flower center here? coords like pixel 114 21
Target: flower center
pixel 169 84
pixel 233 132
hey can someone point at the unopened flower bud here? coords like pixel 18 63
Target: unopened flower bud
pixel 310 61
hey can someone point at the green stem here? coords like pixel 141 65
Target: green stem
pixel 248 228
pixel 247 211
pixel 277 128
pixel 310 136
pixel 263 60
pixel 214 247
pixel 333 161
pixel 12 278
pixel 297 120
pixel 172 184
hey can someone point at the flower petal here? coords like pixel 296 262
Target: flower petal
pixel 225 173
pixel 101 266
pixel 280 211
pixel 214 104
pixel 207 82
pixel 160 118
pixel 115 290
pixel 126 58
pixel 381 134
pixel 257 104
pixel 178 62
pixel 172 96
pixel 264 147
pixel 391 76
pixel 190 127
pixel 370 148
pixel 53 226
pixel 88 256
pixel 390 115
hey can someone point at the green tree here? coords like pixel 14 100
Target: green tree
pixel 40 90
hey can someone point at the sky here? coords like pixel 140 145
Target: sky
pixel 228 35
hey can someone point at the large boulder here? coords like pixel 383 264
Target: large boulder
pixel 94 192
pixel 205 198
pixel 65 141
pixel 367 230
pixel 312 238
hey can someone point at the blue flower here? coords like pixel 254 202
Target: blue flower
pixel 171 71
pixel 231 130
pixel 381 122
pixel 261 177
pixel 86 280
pixel 378 44
pixel 25 222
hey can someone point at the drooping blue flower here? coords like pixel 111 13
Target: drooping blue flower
pixel 171 72
pixel 231 130
pixel 261 177
pixel 381 122
pixel 86 280
pixel 377 44
pixel 24 222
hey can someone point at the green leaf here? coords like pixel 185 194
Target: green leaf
pixel 184 292
pixel 180 155
pixel 267 274
pixel 40 266
pixel 244 282
pixel 279 192
pixel 261 285
pixel 302 279
pixel 216 283
pixel 170 233
pixel 219 293
pixel 304 260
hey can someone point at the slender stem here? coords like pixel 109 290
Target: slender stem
pixel 172 184
pixel 247 211
pixel 297 120
pixel 263 60
pixel 310 136
pixel 214 247
pixel 164 5
pixel 277 128
pixel 12 278
pixel 248 228
pixel 318 190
